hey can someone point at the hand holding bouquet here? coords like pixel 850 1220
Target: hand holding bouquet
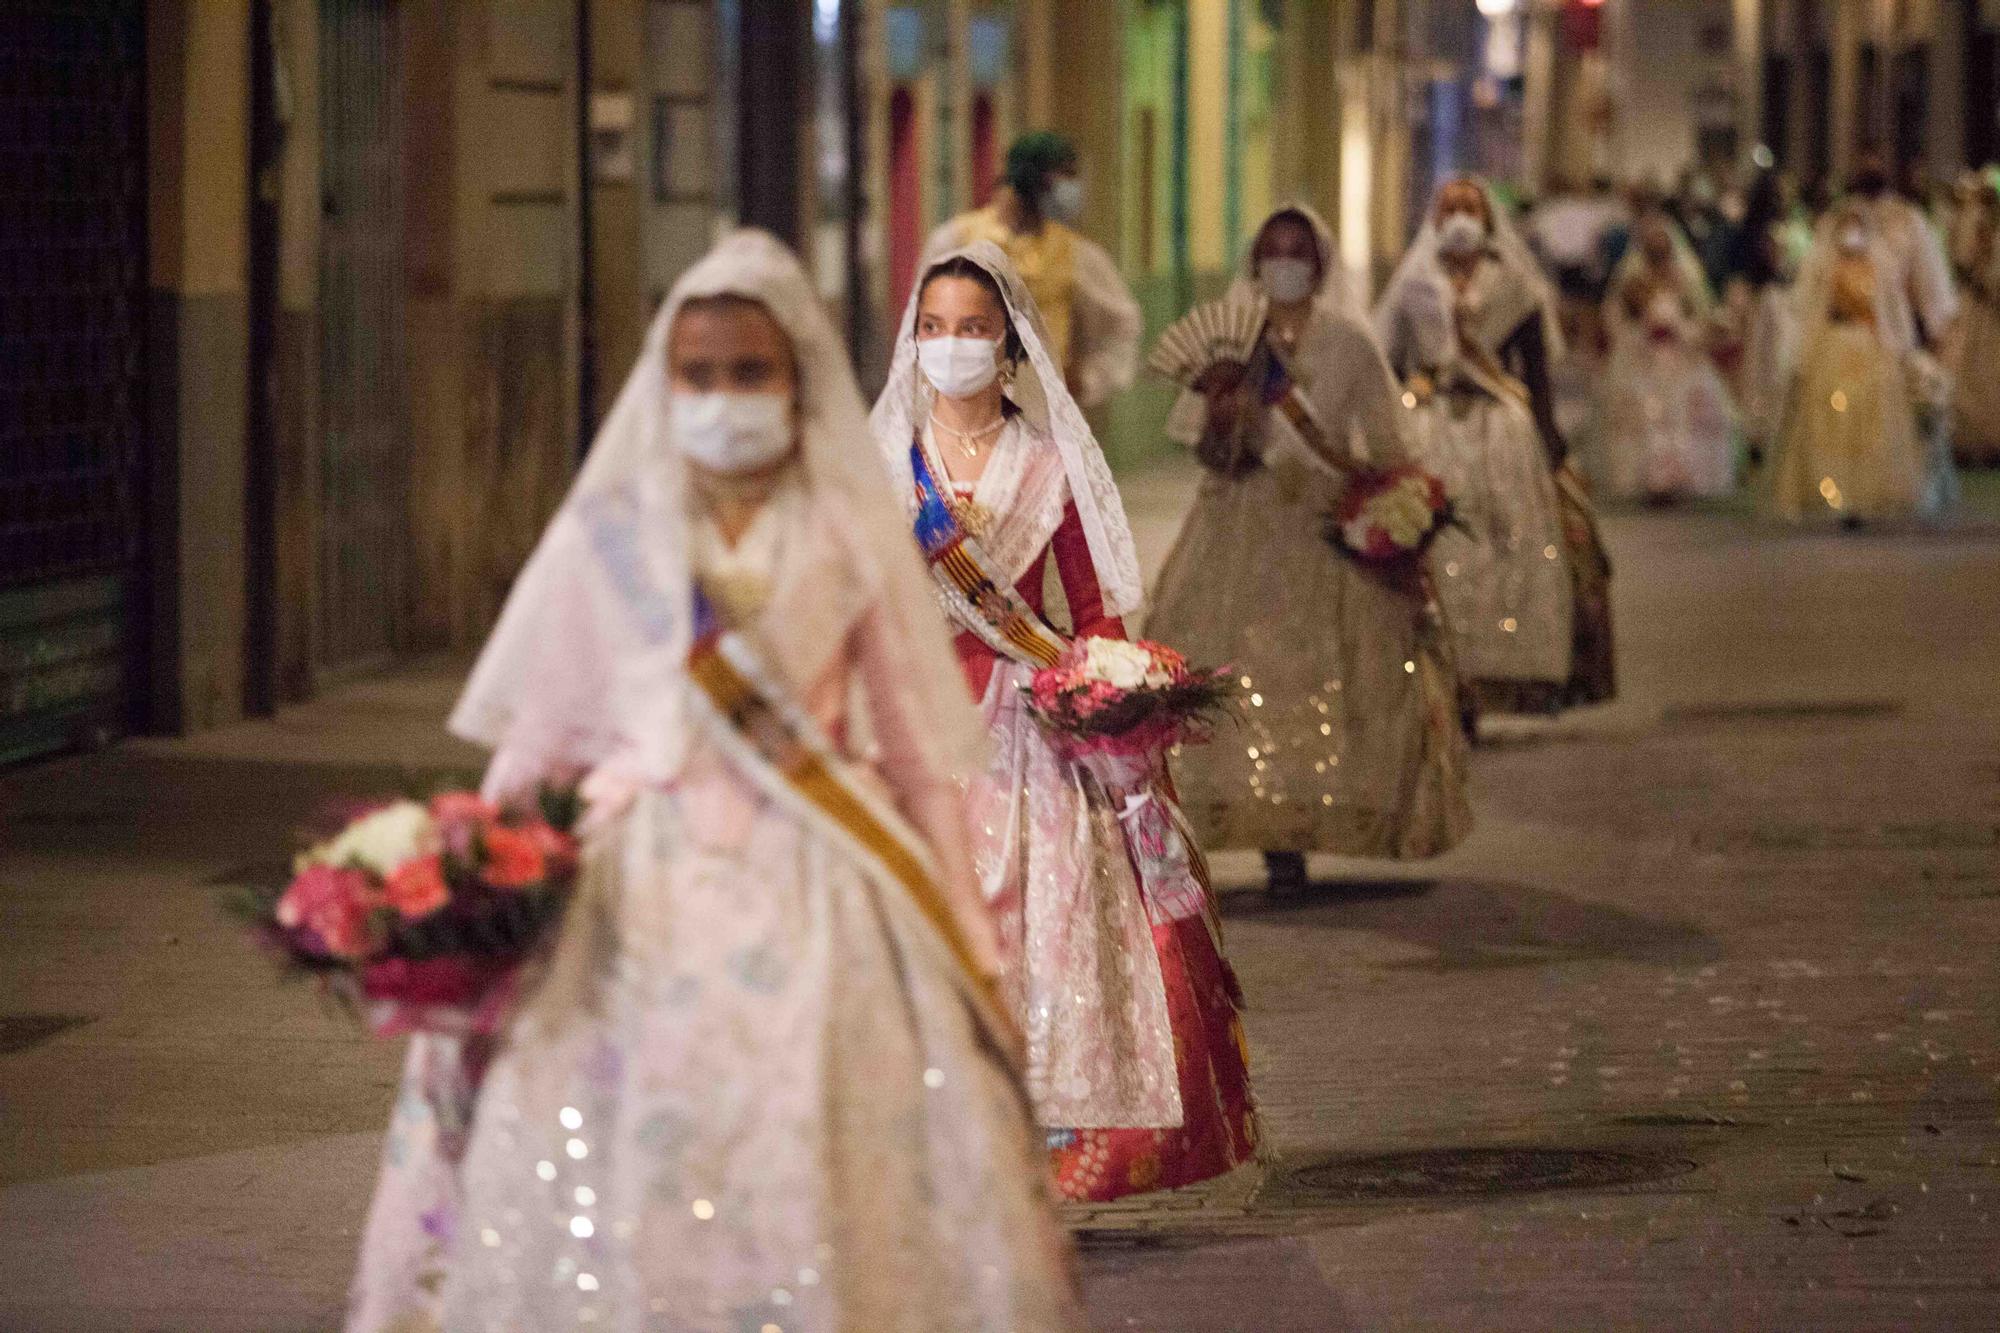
pixel 1929 381
pixel 1114 706
pixel 422 911
pixel 1391 516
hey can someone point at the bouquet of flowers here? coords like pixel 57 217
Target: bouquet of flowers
pixel 1391 516
pixel 420 912
pixel 1114 706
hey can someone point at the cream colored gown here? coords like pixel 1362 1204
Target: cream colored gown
pixel 1350 741
pixel 768 1105
pixel 1850 447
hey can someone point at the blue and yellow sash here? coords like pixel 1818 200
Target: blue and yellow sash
pixel 777 745
pixel 977 595
pixel 1281 391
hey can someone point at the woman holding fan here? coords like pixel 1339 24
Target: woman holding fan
pixel 1352 743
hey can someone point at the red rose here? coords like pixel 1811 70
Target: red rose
pixel 514 859
pixel 416 888
pixel 558 848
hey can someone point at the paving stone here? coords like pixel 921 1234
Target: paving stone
pixel 1744 918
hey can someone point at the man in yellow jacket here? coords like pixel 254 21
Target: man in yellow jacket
pixel 1093 321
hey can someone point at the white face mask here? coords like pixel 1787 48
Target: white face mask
pixel 959 367
pixel 1461 234
pixel 1064 200
pixel 732 433
pixel 1287 281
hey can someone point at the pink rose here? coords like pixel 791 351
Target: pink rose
pixel 460 817
pixel 333 904
pixel 463 805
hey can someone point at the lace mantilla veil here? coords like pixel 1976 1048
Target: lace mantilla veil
pixel 589 656
pixel 1041 394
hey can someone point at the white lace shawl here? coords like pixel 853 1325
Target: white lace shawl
pixel 589 657
pixel 1052 418
pixel 1507 287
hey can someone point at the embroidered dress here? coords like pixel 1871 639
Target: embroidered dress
pixel 761 1083
pixel 1136 1060
pixel 1666 429
pixel 1976 394
pixel 1351 743
pixel 1976 397
pixel 1501 574
pixel 1921 306
pixel 1850 447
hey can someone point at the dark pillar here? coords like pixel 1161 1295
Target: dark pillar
pixel 772 104
pixel 260 503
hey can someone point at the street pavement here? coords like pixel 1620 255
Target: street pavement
pixel 1698 1031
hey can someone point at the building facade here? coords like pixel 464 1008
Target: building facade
pixel 366 272
pixel 311 306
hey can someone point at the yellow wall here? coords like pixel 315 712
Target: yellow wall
pixel 199 145
pixel 1208 165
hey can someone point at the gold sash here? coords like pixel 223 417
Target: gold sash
pixel 780 748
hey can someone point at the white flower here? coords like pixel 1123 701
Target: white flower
pixel 383 840
pixel 1122 665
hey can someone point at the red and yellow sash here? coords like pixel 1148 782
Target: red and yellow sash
pixel 977 594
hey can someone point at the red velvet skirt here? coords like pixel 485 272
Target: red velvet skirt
pixel 1218 1130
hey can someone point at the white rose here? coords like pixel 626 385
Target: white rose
pixel 1119 664
pixel 384 840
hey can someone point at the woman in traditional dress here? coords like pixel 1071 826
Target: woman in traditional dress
pixel 765 1081
pixel 1762 290
pixel 1507 591
pixel 1851 449
pixel 1114 965
pixel 1975 255
pixel 1666 430
pixel 1351 741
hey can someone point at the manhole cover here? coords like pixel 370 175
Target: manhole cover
pixel 1457 1172
pixel 20 1032
pixel 1781 710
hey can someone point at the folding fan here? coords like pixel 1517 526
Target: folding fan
pixel 1209 334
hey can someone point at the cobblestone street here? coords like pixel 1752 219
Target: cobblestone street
pixel 1699 1030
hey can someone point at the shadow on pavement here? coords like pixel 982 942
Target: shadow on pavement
pixel 1468 924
